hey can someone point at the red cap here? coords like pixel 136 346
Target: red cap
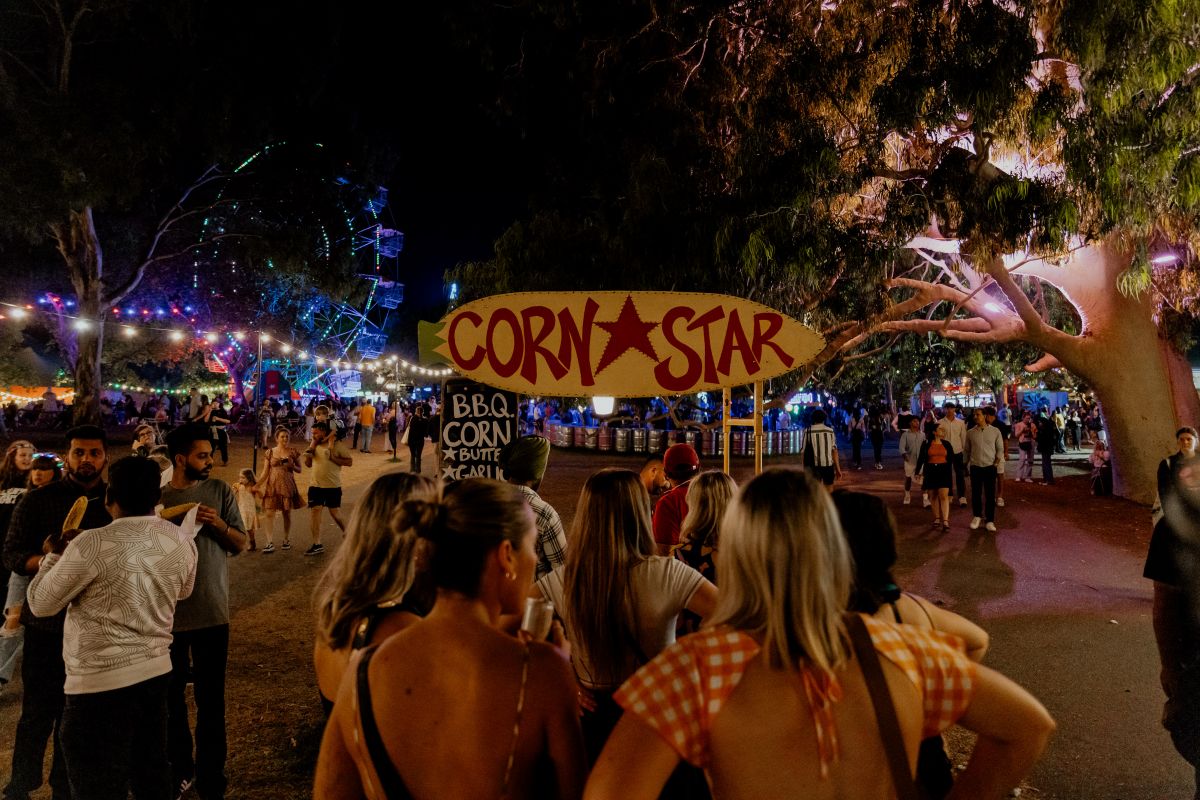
pixel 680 462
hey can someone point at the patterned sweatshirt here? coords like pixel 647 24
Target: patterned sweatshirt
pixel 121 583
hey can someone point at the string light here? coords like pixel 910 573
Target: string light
pixel 18 312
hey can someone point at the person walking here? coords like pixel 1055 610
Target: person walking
pixel 1025 433
pixel 1047 441
pixel 1173 564
pixel 415 435
pixel 279 493
pixel 366 423
pixel 911 441
pixel 858 432
pixel 818 450
pixel 325 457
pixel 984 451
pixel 200 643
pixel 119 585
pixel 876 424
pixel 934 467
pixel 43 670
pixel 954 432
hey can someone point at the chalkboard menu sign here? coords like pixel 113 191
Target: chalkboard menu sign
pixel 477 420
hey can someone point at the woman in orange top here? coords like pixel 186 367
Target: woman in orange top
pixel 934 463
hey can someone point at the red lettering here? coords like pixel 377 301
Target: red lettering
pixel 703 323
pixel 662 371
pixel 533 343
pixel 508 368
pixel 572 339
pixel 735 339
pixel 475 360
pixel 763 336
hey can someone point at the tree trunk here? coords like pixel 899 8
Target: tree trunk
pixel 80 248
pixel 1137 375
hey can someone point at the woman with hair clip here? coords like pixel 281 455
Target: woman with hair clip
pixel 619 600
pixel 785 694
pixel 707 498
pixel 453 707
pixel 367 593
pixel 870 531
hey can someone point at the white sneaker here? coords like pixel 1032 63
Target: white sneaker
pixel 925 501
pixel 879 466
pixel 975 523
pixel 1000 502
pixel 962 501
pixel 907 498
pixel 991 526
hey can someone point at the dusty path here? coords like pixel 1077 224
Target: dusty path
pixel 1059 588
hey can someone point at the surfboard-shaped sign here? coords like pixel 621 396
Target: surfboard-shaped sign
pixel 624 344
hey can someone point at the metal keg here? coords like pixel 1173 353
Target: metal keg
pixel 591 438
pixel 621 440
pixel 737 442
pixel 579 435
pixel 655 440
pixel 638 437
pixel 708 443
pixel 605 440
pixel 692 437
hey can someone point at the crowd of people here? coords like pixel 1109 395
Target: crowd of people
pixel 707 639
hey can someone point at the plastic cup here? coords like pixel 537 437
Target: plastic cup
pixel 539 614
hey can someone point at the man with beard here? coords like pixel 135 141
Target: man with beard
pixel 201 630
pixel 39 514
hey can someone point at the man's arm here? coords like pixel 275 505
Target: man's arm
pixel 340 456
pixel 553 538
pixel 225 526
pixel 52 589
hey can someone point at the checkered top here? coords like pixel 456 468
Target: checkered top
pixel 680 692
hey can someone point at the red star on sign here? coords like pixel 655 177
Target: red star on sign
pixel 625 332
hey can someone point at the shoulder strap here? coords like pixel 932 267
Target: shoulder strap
pixel 389 779
pixel 885 712
pixel 512 750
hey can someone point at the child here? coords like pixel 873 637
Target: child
pixel 1102 477
pixel 245 492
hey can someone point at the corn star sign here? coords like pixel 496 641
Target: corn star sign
pixel 630 344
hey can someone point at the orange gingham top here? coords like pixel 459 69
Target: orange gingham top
pixel 680 692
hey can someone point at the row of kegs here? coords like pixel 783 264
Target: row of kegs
pixel 649 441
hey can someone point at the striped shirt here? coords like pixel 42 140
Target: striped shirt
pixel 820 446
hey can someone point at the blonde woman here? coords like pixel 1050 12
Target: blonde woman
pixel 364 596
pixel 452 706
pixel 707 498
pixel 619 600
pixel 771 702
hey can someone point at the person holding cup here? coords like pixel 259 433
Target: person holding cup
pixel 279 492
pixel 503 720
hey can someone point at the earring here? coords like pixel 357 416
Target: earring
pixel 512 576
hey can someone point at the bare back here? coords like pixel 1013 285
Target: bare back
pixel 445 696
pixel 764 741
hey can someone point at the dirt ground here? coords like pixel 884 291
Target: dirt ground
pixel 1059 588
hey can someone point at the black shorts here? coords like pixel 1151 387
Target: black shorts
pixel 329 498
pixel 825 474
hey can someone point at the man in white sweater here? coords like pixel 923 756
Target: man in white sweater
pixel 119 584
pixel 954 431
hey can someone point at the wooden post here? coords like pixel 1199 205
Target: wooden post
pixel 726 410
pixel 758 428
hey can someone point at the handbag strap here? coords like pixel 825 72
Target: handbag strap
pixel 885 712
